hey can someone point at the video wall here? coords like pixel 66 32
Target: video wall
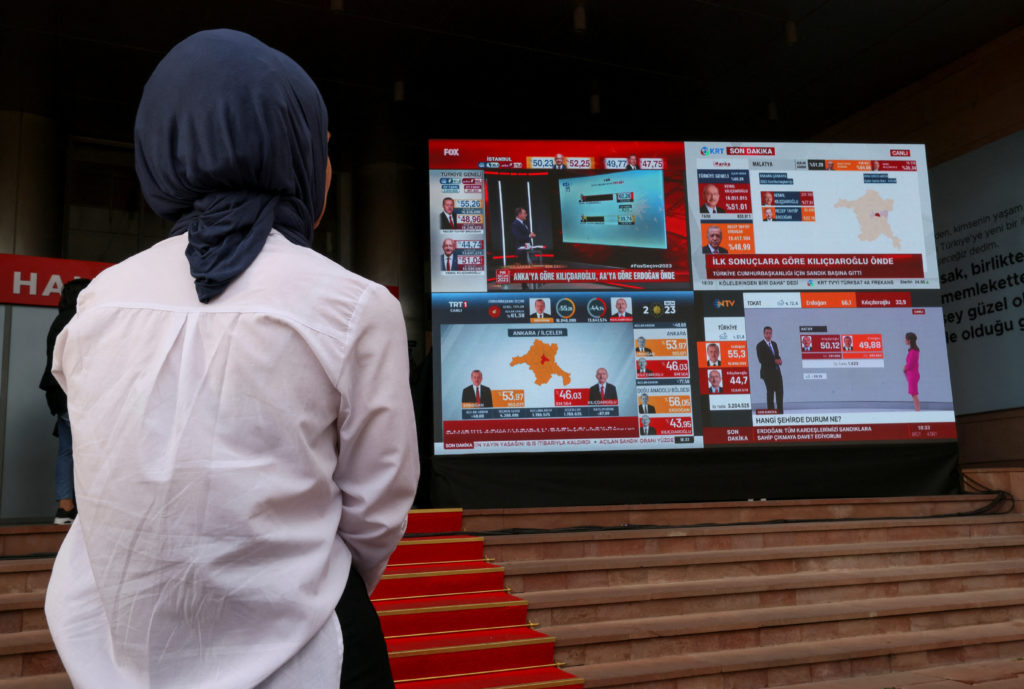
pixel 624 295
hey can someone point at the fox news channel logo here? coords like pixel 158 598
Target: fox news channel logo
pixel 712 150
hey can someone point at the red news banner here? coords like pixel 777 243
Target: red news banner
pixel 508 276
pixel 464 434
pixel 734 266
pixel 539 155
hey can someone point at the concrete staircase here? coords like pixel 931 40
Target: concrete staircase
pixel 872 593
pixel 27 656
pixel 855 594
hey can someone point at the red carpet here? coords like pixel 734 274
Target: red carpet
pixel 448 620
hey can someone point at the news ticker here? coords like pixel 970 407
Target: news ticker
pixel 559 435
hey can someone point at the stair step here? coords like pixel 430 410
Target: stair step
pixel 648 541
pixel 599 603
pixel 26 642
pixel 433 614
pixel 798 662
pixel 434 521
pixel 988 674
pixel 436 655
pixel 58 680
pixel 764 627
pixel 422 580
pixel 24 575
pixel 22 601
pixel 31 539
pixel 563 573
pixel 730 512
pixel 433 643
pixel 526 678
pixel 28 653
pixel 444 549
pixel 425 603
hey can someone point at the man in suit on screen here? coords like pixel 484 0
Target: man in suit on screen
pixel 644 407
pixel 714 245
pixel 448 255
pixel 714 354
pixel 771 369
pixel 539 310
pixel 622 308
pixel 522 235
pixel 641 347
pixel 603 391
pixel 710 196
pixel 477 394
pixel 448 214
pixel 714 381
pixel 645 426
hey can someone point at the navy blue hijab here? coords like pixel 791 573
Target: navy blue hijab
pixel 231 141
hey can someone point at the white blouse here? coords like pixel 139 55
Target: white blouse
pixel 232 461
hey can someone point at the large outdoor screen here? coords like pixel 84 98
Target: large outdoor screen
pixel 624 295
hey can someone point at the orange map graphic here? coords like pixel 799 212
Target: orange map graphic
pixel 541 360
pixel 872 212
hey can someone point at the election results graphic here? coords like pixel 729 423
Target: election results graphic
pixel 564 371
pixel 565 215
pixel 810 216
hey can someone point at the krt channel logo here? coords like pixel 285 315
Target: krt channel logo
pixel 712 150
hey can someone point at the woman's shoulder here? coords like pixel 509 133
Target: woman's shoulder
pixel 313 288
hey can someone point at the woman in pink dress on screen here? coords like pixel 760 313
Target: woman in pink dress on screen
pixel 910 369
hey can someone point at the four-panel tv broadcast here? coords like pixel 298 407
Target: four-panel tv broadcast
pixel 631 295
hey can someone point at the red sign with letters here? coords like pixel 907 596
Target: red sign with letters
pixel 37 281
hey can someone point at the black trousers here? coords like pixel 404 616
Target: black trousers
pixel 773 388
pixel 365 664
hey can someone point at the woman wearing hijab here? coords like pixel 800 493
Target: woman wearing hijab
pixel 244 438
pixel 910 368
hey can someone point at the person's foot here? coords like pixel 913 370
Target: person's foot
pixel 65 516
